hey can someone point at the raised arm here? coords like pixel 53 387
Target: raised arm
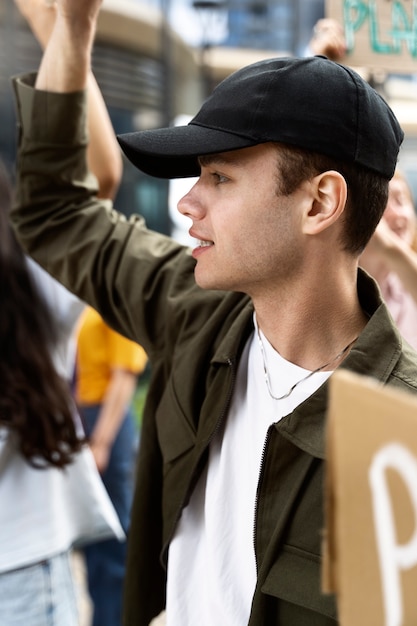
pixel 66 63
pixel 96 252
pixel 104 154
pixel 387 252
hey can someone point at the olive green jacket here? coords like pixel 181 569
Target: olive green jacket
pixel 143 285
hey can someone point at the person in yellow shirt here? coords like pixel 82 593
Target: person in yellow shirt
pixel 106 376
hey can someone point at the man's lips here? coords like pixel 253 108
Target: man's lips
pixel 202 244
pixel 201 241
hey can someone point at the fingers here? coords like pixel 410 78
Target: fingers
pixel 329 39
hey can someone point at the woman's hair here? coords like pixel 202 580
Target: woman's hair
pixel 367 191
pixel 35 402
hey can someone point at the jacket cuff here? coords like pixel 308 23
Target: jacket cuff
pixel 56 118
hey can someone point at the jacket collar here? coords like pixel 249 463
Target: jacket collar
pixel 374 354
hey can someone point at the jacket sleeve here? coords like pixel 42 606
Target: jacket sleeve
pixel 117 265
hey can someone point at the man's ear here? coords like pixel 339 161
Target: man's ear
pixel 329 196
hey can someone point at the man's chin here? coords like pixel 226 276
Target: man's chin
pixel 206 280
pixel 206 283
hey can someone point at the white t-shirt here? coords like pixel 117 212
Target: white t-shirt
pixel 66 310
pixel 211 564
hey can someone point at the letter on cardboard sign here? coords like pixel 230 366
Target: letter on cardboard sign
pixel 393 558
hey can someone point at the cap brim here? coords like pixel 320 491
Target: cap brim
pixel 173 152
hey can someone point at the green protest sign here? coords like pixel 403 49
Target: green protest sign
pixel 379 33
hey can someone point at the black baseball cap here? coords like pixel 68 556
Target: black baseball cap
pixel 312 103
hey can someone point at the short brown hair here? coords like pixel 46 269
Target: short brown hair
pixel 367 191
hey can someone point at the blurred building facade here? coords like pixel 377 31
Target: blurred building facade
pixel 283 25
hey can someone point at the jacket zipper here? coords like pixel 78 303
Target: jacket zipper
pixel 261 473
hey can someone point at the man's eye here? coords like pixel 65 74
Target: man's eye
pixel 219 178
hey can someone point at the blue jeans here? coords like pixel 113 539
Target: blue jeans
pixel 41 594
pixel 105 560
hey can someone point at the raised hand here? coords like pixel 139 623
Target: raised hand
pixel 329 39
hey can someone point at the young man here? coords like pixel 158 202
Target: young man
pixel 294 158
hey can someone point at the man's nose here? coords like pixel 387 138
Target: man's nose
pixel 190 204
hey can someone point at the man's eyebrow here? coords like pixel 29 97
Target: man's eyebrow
pixel 216 159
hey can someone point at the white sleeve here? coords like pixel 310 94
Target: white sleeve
pixel 66 309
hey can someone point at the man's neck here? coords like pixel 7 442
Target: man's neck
pixel 310 326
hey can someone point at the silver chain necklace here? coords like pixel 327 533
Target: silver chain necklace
pixel 309 375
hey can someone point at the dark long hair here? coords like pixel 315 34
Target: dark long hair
pixel 35 402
